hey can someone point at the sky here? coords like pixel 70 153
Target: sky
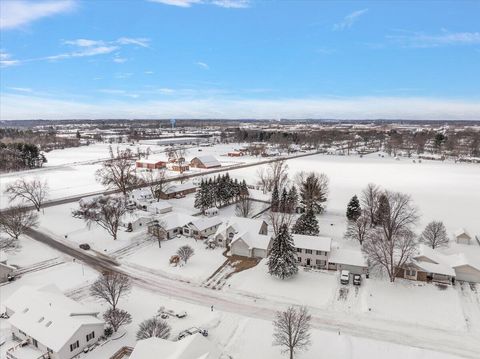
pixel 239 59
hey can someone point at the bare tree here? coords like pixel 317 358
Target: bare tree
pixel 106 211
pixel 358 230
pixel 118 172
pixel 264 179
pixel 277 219
pixel 34 191
pixel 111 287
pixel 8 243
pixel 278 172
pixel 292 330
pixel 153 328
pixel 175 153
pixel 369 200
pixel 313 190
pixel 156 181
pixel 435 235
pixel 244 207
pixel 15 220
pixel 116 318
pixel 392 243
pixel 185 252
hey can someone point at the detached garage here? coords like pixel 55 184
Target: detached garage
pixel 467 267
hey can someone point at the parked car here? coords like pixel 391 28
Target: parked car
pixel 84 246
pixel 345 277
pixel 191 331
pixel 357 279
pixel 181 314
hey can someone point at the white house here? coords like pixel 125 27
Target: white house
pixel 170 225
pixel 50 325
pixel 210 212
pixel 227 230
pixel 312 251
pixel 250 244
pixel 202 227
pixel 160 207
pixel 141 197
pixel 136 219
pixel 192 347
pixel 462 236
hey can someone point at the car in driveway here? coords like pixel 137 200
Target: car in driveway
pixel 84 246
pixel 357 279
pixel 345 277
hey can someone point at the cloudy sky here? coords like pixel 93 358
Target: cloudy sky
pixel 239 59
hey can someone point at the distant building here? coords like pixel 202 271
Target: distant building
pixel 160 207
pixel 206 161
pixel 151 164
pixel 5 270
pixel 462 236
pixel 235 154
pixel 177 191
pixel 48 324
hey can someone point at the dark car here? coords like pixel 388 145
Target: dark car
pixel 85 246
pixel 357 279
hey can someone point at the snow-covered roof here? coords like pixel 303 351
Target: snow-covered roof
pixel 347 256
pixel 131 217
pixel 160 205
pixel 208 161
pixel 180 187
pixel 437 268
pixel 175 220
pixel 204 223
pixel 241 224
pixel 463 259
pixel 253 240
pixel 47 315
pixel 150 161
pixel 461 231
pixel 141 192
pixel 316 243
pixel 191 347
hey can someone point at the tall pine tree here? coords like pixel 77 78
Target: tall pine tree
pixel 383 210
pixel 306 224
pixel 354 211
pixel 292 199
pixel 275 202
pixel 283 207
pixel 282 262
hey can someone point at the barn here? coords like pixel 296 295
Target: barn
pixel 206 161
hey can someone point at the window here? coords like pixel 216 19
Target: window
pixel 299 250
pixel 320 262
pixel 230 235
pixel 410 272
pixel 319 253
pixel 175 230
pixel 308 251
pixel 74 346
pixel 90 336
pixel 299 259
pixel 48 323
pixel 195 233
pixel 41 319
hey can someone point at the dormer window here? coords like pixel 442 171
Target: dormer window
pixel 48 323
pixel 41 319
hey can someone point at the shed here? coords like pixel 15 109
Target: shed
pixel 206 161
pixel 462 236
pixel 159 207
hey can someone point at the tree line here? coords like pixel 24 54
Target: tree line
pixel 219 191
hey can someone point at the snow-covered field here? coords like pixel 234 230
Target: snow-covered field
pixel 444 191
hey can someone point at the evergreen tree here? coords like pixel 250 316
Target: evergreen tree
pixel 201 196
pixel 292 199
pixel 283 206
pixel 282 262
pixel 354 211
pixel 306 224
pixel 383 211
pixel 275 202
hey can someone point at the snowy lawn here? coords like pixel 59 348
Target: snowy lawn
pixel 198 268
pixel 307 288
pixel 253 339
pixel 29 252
pixel 415 302
pixel 58 221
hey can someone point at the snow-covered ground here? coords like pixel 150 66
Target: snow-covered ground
pixel 198 268
pixel 444 191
